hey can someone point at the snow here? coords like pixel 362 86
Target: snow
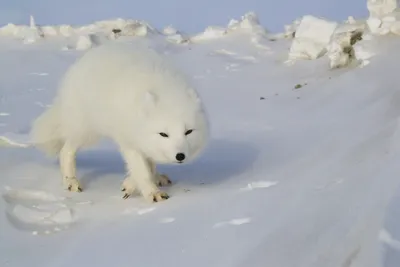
pixel 311 39
pixel 379 8
pixel 302 168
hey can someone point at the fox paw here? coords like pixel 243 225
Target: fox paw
pixel 162 180
pixel 72 184
pixel 157 196
pixel 128 187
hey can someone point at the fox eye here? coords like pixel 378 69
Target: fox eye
pixel 163 135
pixel 188 132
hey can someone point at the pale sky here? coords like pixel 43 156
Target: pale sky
pixel 188 15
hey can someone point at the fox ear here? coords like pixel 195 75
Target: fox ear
pixel 149 101
pixel 150 98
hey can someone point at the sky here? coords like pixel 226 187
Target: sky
pixel 187 15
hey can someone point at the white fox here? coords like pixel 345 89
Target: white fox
pixel 132 95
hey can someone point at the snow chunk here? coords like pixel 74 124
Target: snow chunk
pixel 380 8
pixel 351 20
pixel 249 22
pixel 374 24
pixel 174 36
pixel 291 29
pixel 363 52
pixel 341 51
pixel 384 17
pixel 311 38
pixel 66 30
pixel 122 27
pixel 135 29
pixel 169 30
pixel 49 31
pixel 88 41
pixel 177 38
pixel 84 42
pixel 395 28
pixel 211 32
pixel 34 32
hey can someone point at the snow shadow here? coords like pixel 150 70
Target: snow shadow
pixel 221 160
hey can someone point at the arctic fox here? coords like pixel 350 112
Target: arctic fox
pixel 134 96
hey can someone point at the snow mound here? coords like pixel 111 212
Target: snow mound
pixel 110 28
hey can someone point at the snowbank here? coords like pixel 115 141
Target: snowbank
pixel 86 36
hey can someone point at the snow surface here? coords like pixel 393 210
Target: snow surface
pixel 302 169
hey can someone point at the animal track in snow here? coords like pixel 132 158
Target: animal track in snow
pixel 234 61
pixel 262 44
pixel 138 211
pixel 39 212
pixel 259 184
pixel 232 55
pixel 144 211
pixel 235 222
pixel 167 220
pixel 36 89
pixel 40 104
pixel 232 67
pixel 386 238
pixel 39 73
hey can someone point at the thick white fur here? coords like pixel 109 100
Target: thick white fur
pixel 129 94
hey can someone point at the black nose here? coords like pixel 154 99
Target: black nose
pixel 180 157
